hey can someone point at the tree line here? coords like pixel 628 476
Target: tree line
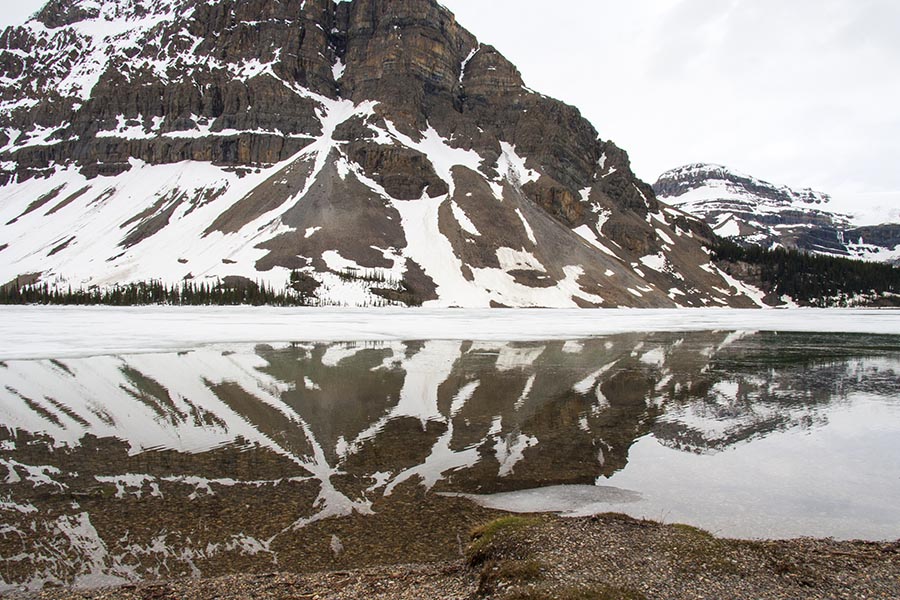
pixel 813 279
pixel 191 293
pixel 186 293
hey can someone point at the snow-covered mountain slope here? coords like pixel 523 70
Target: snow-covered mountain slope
pixel 364 152
pixel 747 209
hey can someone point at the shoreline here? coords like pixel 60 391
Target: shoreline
pixel 542 557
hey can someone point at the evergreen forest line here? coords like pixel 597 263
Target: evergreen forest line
pixel 813 279
pixel 808 279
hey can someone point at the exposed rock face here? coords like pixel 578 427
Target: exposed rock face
pixel 749 210
pixel 374 145
pixel 880 242
pixel 880 235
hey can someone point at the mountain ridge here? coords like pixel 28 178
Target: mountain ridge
pixel 212 140
pixel 749 210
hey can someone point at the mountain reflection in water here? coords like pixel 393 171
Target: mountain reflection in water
pixel 118 468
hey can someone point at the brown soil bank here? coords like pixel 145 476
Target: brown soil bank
pixel 607 557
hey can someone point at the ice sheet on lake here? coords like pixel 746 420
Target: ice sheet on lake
pixel 570 500
pixel 54 332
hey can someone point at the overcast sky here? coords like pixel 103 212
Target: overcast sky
pixel 800 92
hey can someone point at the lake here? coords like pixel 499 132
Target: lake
pixel 308 456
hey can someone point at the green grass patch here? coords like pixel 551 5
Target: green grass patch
pixel 519 571
pixel 485 538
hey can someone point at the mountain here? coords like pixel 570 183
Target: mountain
pixel 749 210
pixel 363 152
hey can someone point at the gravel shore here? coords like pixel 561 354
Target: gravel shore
pixel 602 557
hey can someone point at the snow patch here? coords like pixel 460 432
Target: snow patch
pixel 512 167
pixel 516 260
pixel 338 69
pixel 657 262
pixel 510 449
pixel 465 63
pixel 588 235
pixel 464 220
pixel 730 228
pixel 527 227
pixel 569 500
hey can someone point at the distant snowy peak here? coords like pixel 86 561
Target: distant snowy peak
pixel 749 210
pixel 731 184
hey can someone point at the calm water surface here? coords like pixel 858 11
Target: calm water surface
pixel 317 456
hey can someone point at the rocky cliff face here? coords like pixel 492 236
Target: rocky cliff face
pixel 366 152
pixel 749 210
pixel 875 242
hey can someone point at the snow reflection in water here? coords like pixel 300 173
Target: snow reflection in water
pixel 257 458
